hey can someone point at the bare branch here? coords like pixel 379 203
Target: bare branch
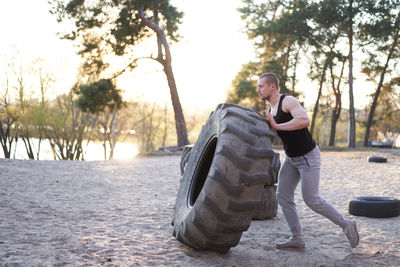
pixel 160 34
pixel 131 65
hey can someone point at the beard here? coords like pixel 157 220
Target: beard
pixel 262 97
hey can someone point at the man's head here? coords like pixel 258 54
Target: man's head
pixel 268 84
pixel 269 78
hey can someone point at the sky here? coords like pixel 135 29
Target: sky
pixel 206 60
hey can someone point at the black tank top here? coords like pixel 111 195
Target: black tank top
pixel 296 143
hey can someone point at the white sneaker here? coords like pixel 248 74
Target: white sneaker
pixel 351 232
pixel 293 243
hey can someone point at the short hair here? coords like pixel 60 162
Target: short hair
pixel 271 78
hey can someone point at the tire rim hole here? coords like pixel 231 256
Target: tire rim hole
pixel 202 170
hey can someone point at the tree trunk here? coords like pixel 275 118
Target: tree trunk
pixel 150 131
pixel 165 132
pixel 179 118
pixel 378 90
pixel 334 120
pixel 6 151
pixel 352 119
pixel 143 146
pixel 338 103
pixel 7 137
pixel 3 140
pixel 286 62
pixel 105 149
pixel 39 145
pixel 316 106
pixel 28 147
pixel 165 60
pixel 296 61
pixel 113 126
pixel 335 117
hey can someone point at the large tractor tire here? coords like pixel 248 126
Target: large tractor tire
pixel 224 179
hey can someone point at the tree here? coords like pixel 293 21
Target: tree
pixel 24 126
pixel 338 99
pixel 148 126
pixel 8 119
pixel 67 128
pixel 321 76
pixel 279 30
pixel 244 87
pixel 166 123
pixel 328 27
pixel 382 33
pixel 99 97
pixel 109 129
pixel 26 113
pixel 352 119
pixel 38 112
pixel 288 35
pixel 386 123
pixel 123 25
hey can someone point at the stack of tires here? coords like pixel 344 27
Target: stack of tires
pixel 228 180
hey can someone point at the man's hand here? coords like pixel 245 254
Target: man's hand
pixel 271 119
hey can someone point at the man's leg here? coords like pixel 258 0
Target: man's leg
pixel 310 176
pixel 288 180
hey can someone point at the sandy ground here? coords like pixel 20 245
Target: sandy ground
pixel 118 213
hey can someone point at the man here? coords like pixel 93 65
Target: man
pixel 302 163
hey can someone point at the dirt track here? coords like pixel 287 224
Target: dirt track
pixel 119 213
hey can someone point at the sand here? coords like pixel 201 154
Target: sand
pixel 118 213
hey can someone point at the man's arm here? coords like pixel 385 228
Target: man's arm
pixel 300 118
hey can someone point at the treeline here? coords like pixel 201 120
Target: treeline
pixel 68 127
pixel 323 38
pixel 114 28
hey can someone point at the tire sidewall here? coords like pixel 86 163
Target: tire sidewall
pixel 375 207
pixel 208 132
pixel 377 159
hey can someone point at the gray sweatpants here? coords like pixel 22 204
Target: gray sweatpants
pixel 307 170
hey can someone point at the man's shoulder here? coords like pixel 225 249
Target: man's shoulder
pixel 289 102
pixel 290 98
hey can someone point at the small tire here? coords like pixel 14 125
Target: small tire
pixel 377 159
pixel 225 175
pixel 374 207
